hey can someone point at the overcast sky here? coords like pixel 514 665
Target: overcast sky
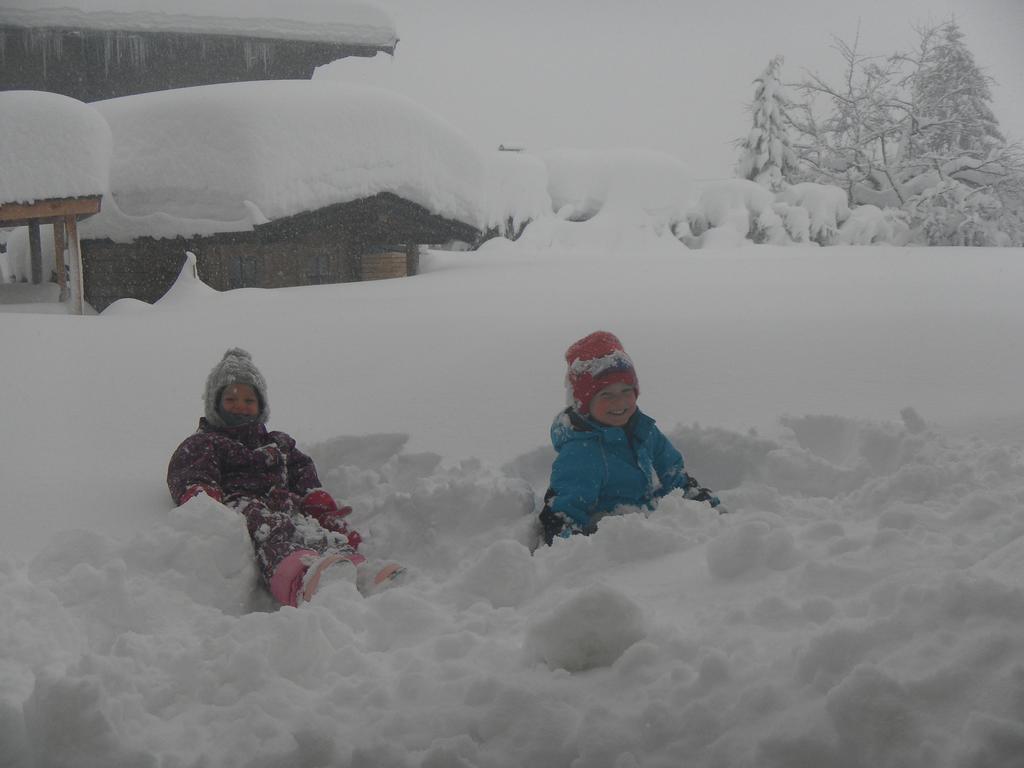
pixel 669 75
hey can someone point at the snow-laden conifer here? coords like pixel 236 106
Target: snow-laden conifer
pixel 766 155
pixel 952 99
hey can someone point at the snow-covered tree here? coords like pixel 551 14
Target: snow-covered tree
pixel 952 99
pixel 766 155
pixel 974 197
pixel 856 140
pixel 916 132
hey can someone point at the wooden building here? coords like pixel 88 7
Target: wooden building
pixel 99 54
pixel 366 239
pixel 54 163
pixel 103 50
pixel 63 214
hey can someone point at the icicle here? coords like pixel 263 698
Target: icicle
pixel 257 51
pixel 138 51
pixel 36 42
pixel 108 49
pixel 131 48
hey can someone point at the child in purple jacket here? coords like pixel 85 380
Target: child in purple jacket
pixel 297 529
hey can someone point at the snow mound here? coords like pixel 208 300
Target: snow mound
pixel 582 182
pixel 188 288
pixel 589 629
pixel 867 574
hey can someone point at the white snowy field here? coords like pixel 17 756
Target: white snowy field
pixel 862 605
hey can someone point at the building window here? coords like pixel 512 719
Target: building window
pixel 318 269
pixel 243 271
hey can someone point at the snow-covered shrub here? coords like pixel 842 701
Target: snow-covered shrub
pixel 825 204
pixel 952 213
pixel 871 225
pixel 733 203
pixel 782 224
pixel 747 211
pixel 582 183
pixel 516 192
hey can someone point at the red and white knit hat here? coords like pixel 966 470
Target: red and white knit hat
pixel 595 361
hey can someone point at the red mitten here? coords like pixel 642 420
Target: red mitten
pixel 194 490
pixel 354 539
pixel 319 504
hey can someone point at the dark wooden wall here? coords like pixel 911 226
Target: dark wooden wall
pixel 90 65
pixel 323 246
pixel 146 268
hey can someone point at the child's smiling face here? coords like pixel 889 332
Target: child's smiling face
pixel 240 400
pixel 614 405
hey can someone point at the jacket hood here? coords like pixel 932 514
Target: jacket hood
pixel 570 425
pixel 236 367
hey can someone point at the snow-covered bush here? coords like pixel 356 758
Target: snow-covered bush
pixel 734 204
pixel 582 183
pixel 871 225
pixel 952 213
pixel 825 204
pixel 783 224
pixel 516 192
pixel 800 213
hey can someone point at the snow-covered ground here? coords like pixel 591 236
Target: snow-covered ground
pixel 861 606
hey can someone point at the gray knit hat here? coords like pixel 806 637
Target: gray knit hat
pixel 235 368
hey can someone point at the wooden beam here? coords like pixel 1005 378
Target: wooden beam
pixel 58 258
pixel 35 250
pixel 77 276
pixel 48 211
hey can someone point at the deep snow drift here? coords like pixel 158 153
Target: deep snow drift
pixel 861 606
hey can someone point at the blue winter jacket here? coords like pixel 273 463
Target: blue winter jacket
pixel 600 468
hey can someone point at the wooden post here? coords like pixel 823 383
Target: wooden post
pixel 412 259
pixel 35 248
pixel 58 258
pixel 77 274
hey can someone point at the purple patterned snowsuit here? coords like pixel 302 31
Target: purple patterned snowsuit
pixel 264 476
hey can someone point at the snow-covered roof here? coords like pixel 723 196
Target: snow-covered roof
pixel 53 147
pixel 516 190
pixel 328 21
pixel 582 182
pixel 226 157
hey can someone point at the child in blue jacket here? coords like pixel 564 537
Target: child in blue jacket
pixel 610 453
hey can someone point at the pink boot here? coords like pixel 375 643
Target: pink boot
pixel 331 567
pixel 374 578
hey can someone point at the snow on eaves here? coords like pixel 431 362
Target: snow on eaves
pixel 51 146
pixel 326 21
pixel 225 157
pixel 583 182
